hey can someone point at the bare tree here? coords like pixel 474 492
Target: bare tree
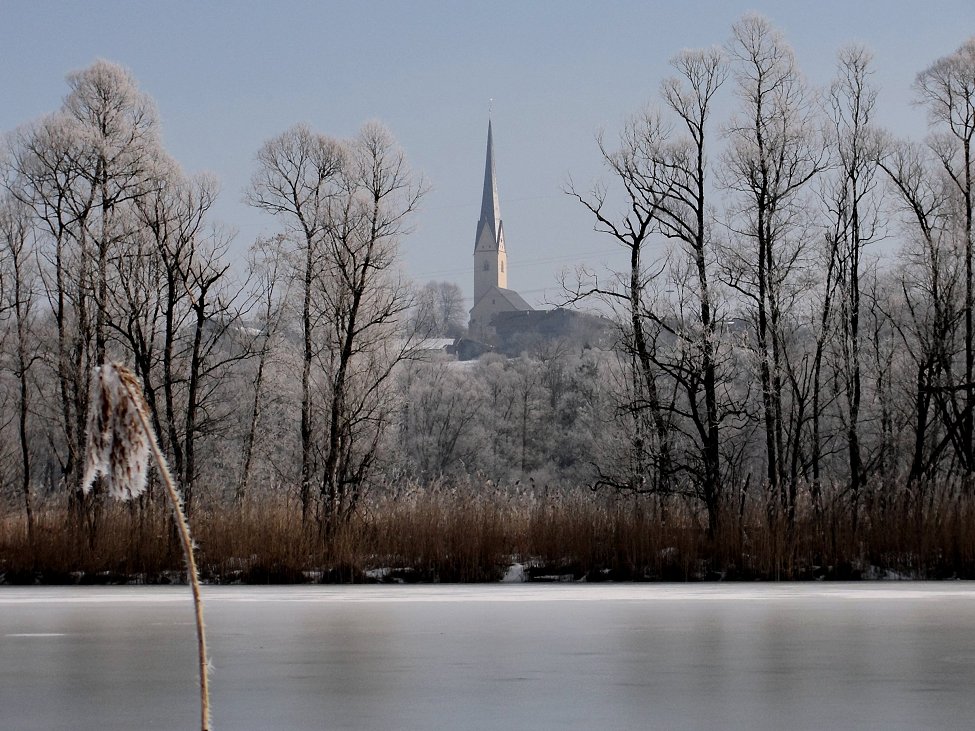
pixel 46 178
pixel 439 310
pixel 267 261
pixel 930 281
pixel 153 304
pixel 176 311
pixel 118 151
pixel 216 344
pixel 298 175
pixel 638 171
pixel 17 304
pixel 365 303
pixel 947 88
pixel 853 207
pixel 774 151
pixel 79 170
pixel 670 171
pixel 684 215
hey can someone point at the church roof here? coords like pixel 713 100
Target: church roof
pixel 514 300
pixel 490 219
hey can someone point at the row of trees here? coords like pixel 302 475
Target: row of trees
pixel 774 345
pixel 283 375
pixel 773 356
pixel 108 252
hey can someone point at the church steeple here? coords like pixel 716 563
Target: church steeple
pixel 491 294
pixel 490 258
pixel 489 233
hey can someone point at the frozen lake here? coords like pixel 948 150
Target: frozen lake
pixel 850 656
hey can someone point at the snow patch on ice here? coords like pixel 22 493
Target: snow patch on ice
pixel 515 574
pixel 875 573
pixel 387 575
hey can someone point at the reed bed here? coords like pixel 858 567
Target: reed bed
pixel 474 533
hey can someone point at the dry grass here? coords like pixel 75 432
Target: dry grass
pixel 454 533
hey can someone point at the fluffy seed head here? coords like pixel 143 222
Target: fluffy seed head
pixel 118 445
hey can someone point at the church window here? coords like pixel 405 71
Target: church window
pixel 487 265
pixel 502 266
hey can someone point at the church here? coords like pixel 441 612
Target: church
pixel 501 320
pixel 491 294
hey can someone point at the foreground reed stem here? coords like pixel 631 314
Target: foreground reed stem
pixel 191 573
pixel 119 440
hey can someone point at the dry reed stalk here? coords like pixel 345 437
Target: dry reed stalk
pixel 467 532
pixel 120 440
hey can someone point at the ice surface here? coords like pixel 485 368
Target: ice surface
pixel 516 656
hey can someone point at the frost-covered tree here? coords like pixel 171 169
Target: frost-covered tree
pixel 947 89
pixel 852 201
pixel 439 310
pixel 79 170
pixel 366 303
pixel 774 150
pixel 19 293
pixel 298 176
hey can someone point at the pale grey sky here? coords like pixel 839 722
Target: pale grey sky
pixel 226 75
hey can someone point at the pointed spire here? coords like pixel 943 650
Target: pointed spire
pixel 490 205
